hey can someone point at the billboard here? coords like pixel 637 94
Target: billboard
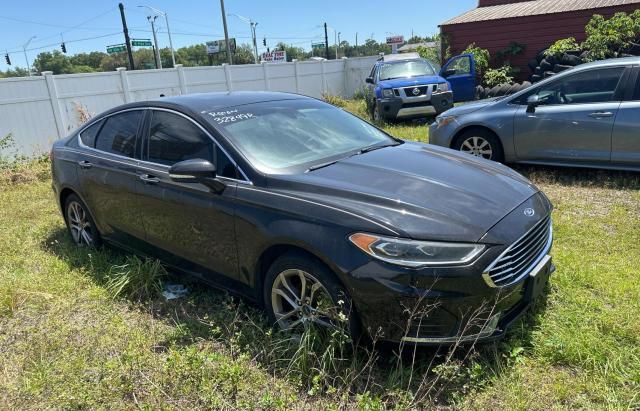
pixel 395 40
pixel 220 46
pixel 275 56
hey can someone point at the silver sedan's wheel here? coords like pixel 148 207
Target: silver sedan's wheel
pixel 79 224
pixel 477 146
pixel 299 299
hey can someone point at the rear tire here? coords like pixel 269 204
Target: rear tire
pixel 480 143
pixel 300 291
pixel 82 228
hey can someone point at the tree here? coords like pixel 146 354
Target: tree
pixel 16 72
pixel 92 59
pixel 53 61
pixel 292 52
pixel 195 55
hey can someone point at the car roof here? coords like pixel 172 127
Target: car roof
pixel 610 62
pixel 199 102
pixel 389 58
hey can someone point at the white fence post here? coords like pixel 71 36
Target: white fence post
pixel 295 74
pixel 181 79
pixel 55 103
pixel 125 84
pixel 324 77
pixel 227 76
pixel 267 86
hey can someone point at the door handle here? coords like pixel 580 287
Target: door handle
pixel 84 164
pixel 601 114
pixel 149 179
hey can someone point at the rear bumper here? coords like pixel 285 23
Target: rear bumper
pixel 396 108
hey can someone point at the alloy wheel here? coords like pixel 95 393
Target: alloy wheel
pixel 299 299
pixel 79 224
pixel 477 146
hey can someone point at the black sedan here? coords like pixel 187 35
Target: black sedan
pixel 314 213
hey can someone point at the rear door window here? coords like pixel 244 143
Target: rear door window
pixel 88 135
pixel 118 135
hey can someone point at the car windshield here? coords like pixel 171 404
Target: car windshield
pixel 404 69
pixel 286 136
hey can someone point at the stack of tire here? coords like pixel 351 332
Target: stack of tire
pixel 544 66
pixel 500 90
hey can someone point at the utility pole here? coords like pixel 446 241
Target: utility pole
pixel 24 49
pixel 126 36
pixel 338 46
pixel 166 20
pixel 152 20
pixel 226 32
pixel 357 53
pixel 255 45
pixel 326 42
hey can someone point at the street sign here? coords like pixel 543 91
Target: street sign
pixel 395 40
pixel 275 56
pixel 317 46
pixel 141 42
pixel 117 48
pixel 220 46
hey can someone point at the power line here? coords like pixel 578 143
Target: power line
pixel 66 41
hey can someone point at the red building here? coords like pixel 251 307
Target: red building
pixel 534 23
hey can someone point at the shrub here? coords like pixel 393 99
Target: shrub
pixel 560 47
pixel 480 56
pixel 136 279
pixel 334 100
pixel 429 53
pixel 607 38
pixel 500 75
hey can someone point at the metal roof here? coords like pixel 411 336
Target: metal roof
pixel 533 8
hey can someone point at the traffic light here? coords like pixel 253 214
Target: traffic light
pixel 264 42
pixel 63 47
pixel 6 57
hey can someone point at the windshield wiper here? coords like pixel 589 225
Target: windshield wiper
pixel 361 151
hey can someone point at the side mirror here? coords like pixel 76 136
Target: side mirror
pixel 196 171
pixel 448 72
pixel 369 80
pixel 533 101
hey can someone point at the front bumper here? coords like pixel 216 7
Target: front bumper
pixel 396 108
pixel 449 305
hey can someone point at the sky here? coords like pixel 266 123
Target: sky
pixel 89 25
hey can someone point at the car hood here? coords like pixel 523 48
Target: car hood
pixel 418 191
pixel 411 81
pixel 470 107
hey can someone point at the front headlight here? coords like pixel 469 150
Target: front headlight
pixel 387 92
pixel 412 253
pixel 442 87
pixel 443 121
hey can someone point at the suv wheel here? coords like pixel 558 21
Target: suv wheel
pixel 480 143
pixel 300 292
pixel 375 114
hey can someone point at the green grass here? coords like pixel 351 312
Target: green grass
pixel 70 339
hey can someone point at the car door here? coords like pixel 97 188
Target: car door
pixel 574 120
pixel 107 175
pixel 625 141
pixel 370 88
pixel 460 72
pixel 186 224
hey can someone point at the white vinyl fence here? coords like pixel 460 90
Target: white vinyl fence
pixel 38 110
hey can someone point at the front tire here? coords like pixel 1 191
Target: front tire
pixel 300 291
pixel 80 224
pixel 480 143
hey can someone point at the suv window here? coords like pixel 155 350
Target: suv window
pixel 118 135
pixel 88 136
pixel 173 138
pixel 593 86
pixel 462 65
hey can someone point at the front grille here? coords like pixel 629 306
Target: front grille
pixel 517 260
pixel 408 91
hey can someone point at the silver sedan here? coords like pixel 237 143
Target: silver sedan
pixel 586 117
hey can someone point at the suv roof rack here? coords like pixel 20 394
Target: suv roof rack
pixel 400 56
